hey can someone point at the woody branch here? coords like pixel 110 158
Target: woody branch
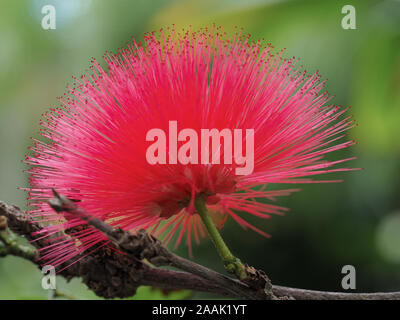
pixel 110 274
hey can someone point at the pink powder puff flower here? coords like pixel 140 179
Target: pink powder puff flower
pixel 95 145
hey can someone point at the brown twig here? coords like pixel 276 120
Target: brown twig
pixel 302 294
pixel 110 274
pixel 141 245
pixel 106 272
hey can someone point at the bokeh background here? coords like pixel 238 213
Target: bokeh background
pixel 355 222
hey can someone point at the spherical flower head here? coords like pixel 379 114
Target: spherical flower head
pixel 96 145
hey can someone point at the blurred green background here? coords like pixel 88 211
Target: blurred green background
pixel 356 222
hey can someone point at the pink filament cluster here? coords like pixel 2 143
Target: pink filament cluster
pixel 95 146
